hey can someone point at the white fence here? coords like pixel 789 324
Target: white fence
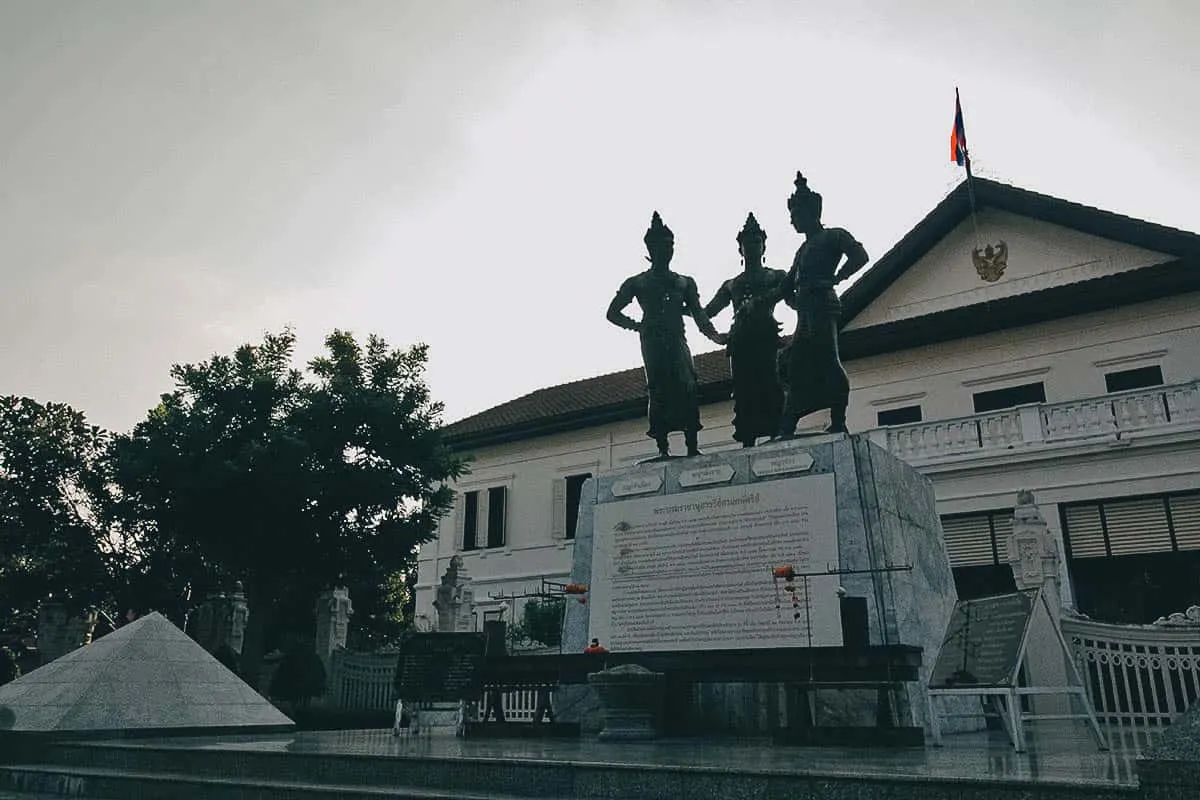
pixel 1143 675
pixel 366 682
pixel 362 681
pixel 1110 415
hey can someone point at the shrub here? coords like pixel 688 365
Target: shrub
pixel 299 678
pixel 10 670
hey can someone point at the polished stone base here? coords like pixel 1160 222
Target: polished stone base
pixel 850 736
pixel 890 547
pixel 630 700
pixel 1062 763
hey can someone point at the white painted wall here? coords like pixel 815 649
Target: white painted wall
pixel 1070 356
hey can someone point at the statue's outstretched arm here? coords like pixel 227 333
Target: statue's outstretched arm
pixel 692 298
pixel 617 307
pixel 720 300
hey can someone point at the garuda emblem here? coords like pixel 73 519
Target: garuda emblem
pixel 991 261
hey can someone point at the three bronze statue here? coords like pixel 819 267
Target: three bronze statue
pixel 773 387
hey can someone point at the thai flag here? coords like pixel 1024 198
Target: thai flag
pixel 958 136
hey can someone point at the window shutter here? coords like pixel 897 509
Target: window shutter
pixel 558 509
pixel 482 519
pixel 1185 517
pixel 1137 526
pixel 969 540
pixel 458 520
pixel 497 516
pixel 1084 533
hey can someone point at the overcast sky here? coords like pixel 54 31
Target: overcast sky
pixel 178 176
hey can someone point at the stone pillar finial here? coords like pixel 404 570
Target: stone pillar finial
pixel 1032 549
pixel 334 610
pixel 454 599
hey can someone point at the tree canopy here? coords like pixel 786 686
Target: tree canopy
pixel 50 542
pixel 288 480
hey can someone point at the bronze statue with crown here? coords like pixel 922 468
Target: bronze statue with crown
pixel 665 297
pixel 811 370
pixel 753 337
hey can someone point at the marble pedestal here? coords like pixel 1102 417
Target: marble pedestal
pixel 885 517
pixel 630 697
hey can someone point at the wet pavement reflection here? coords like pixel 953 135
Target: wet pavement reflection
pixel 1058 753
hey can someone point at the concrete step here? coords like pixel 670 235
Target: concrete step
pixel 28 782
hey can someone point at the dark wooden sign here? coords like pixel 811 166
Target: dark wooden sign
pixel 983 642
pixel 440 667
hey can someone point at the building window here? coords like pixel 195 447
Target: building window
pixel 1138 378
pixel 899 416
pixel 1011 397
pixel 496 514
pixel 975 543
pixel 574 494
pixel 1133 559
pixel 470 538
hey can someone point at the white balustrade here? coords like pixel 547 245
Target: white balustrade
pixel 1108 416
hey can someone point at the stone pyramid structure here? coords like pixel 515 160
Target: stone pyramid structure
pixel 148 676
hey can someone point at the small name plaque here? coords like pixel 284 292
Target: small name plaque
pixel 781 465
pixel 637 484
pixel 718 473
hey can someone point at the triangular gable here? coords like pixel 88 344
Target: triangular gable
pixel 1050 243
pixel 1028 255
pixel 147 675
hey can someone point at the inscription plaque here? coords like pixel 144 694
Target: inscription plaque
pixel 781 465
pixel 693 571
pixel 440 667
pixel 983 641
pixel 637 484
pixel 720 473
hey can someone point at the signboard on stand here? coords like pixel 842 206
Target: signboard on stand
pixel 440 667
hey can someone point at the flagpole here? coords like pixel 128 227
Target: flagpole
pixel 971 194
pixel 967 163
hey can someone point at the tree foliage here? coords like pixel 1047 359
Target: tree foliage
pixel 541 622
pixel 299 677
pixel 10 670
pixel 50 541
pixel 254 470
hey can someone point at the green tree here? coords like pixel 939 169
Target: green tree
pixel 10 670
pixel 541 621
pixel 51 543
pixel 299 677
pixel 288 481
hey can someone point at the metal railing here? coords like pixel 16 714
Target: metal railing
pixel 1143 675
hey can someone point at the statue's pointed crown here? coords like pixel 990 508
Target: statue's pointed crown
pixel 657 233
pixel 804 197
pixel 751 228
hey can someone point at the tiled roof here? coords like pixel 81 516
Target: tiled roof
pixel 616 392
pixel 622 395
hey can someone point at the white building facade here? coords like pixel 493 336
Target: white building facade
pixel 1065 361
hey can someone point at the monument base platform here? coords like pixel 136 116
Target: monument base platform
pixel 850 736
pixel 523 730
pixel 1062 763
